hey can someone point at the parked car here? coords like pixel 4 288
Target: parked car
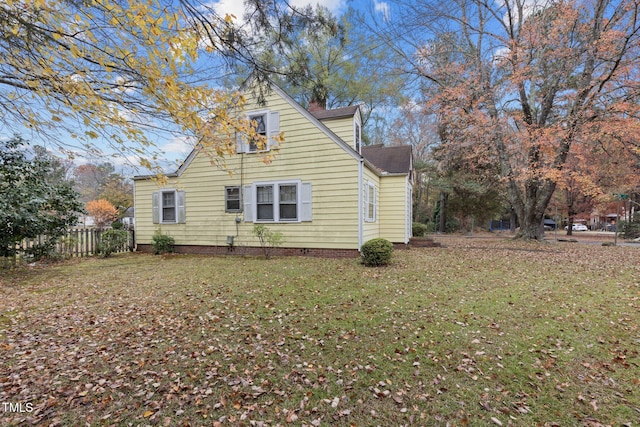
pixel 549 224
pixel 577 227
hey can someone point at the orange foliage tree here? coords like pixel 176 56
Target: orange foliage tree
pixel 526 84
pixel 103 212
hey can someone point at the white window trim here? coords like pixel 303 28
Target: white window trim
pixel 276 201
pixel 175 206
pixel 226 199
pixel 367 202
pixel 157 206
pixel 267 126
pixel 357 136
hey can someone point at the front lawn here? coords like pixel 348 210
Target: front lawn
pixel 483 332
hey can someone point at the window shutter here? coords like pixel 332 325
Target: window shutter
pixel 155 207
pixel 305 202
pixel 182 212
pixel 241 144
pixel 274 129
pixel 248 203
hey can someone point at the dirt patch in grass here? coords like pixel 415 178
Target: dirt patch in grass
pixel 489 332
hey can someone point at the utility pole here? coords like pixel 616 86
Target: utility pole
pixel 620 197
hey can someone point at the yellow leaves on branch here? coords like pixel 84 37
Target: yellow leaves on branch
pixel 118 64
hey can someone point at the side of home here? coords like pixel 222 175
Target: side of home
pixel 319 191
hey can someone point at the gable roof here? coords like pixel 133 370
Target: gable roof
pixel 313 117
pixel 395 159
pixel 336 113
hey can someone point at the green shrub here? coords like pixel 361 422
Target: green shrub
pixel 117 225
pixel 43 250
pixel 162 243
pixel 377 252
pixel 419 229
pixel 112 241
pixel 630 229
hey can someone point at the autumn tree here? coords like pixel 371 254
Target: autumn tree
pixel 101 181
pixel 119 192
pixel 90 179
pixel 525 83
pixel 122 73
pixel 102 211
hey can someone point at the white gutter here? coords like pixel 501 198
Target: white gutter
pixel 360 202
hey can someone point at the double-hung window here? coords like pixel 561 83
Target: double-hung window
pixel 282 201
pixel 260 123
pixel 232 199
pixel 265 130
pixel 168 207
pixel 288 201
pixel 277 202
pixel 264 202
pixel 369 202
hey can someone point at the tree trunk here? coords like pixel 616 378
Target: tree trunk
pixel 530 206
pixel 443 214
pixel 513 219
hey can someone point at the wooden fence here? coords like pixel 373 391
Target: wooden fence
pixel 79 242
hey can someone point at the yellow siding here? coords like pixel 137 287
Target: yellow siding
pixel 344 128
pixel 306 154
pixel 393 203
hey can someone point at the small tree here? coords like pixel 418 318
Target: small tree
pixel 103 212
pixel 34 201
pixel 268 239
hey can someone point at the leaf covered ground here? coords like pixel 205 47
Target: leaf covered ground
pixel 483 332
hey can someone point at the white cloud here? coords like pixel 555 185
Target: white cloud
pixel 178 146
pixel 236 8
pixel 230 7
pixel 529 7
pixel 382 8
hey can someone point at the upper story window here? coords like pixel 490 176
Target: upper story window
pixel 267 127
pixel 357 136
pixel 260 123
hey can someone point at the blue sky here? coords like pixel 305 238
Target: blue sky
pixel 175 149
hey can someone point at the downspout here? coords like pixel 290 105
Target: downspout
pixel 360 201
pixel 134 243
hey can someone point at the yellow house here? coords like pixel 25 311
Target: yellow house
pixel 323 191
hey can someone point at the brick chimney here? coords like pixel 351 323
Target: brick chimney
pixel 315 105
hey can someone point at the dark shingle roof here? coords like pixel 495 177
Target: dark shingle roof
pixel 396 159
pixel 336 113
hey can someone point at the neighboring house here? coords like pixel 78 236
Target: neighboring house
pixel 86 221
pixel 128 219
pixel 323 191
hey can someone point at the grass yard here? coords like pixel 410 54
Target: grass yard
pixel 483 332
